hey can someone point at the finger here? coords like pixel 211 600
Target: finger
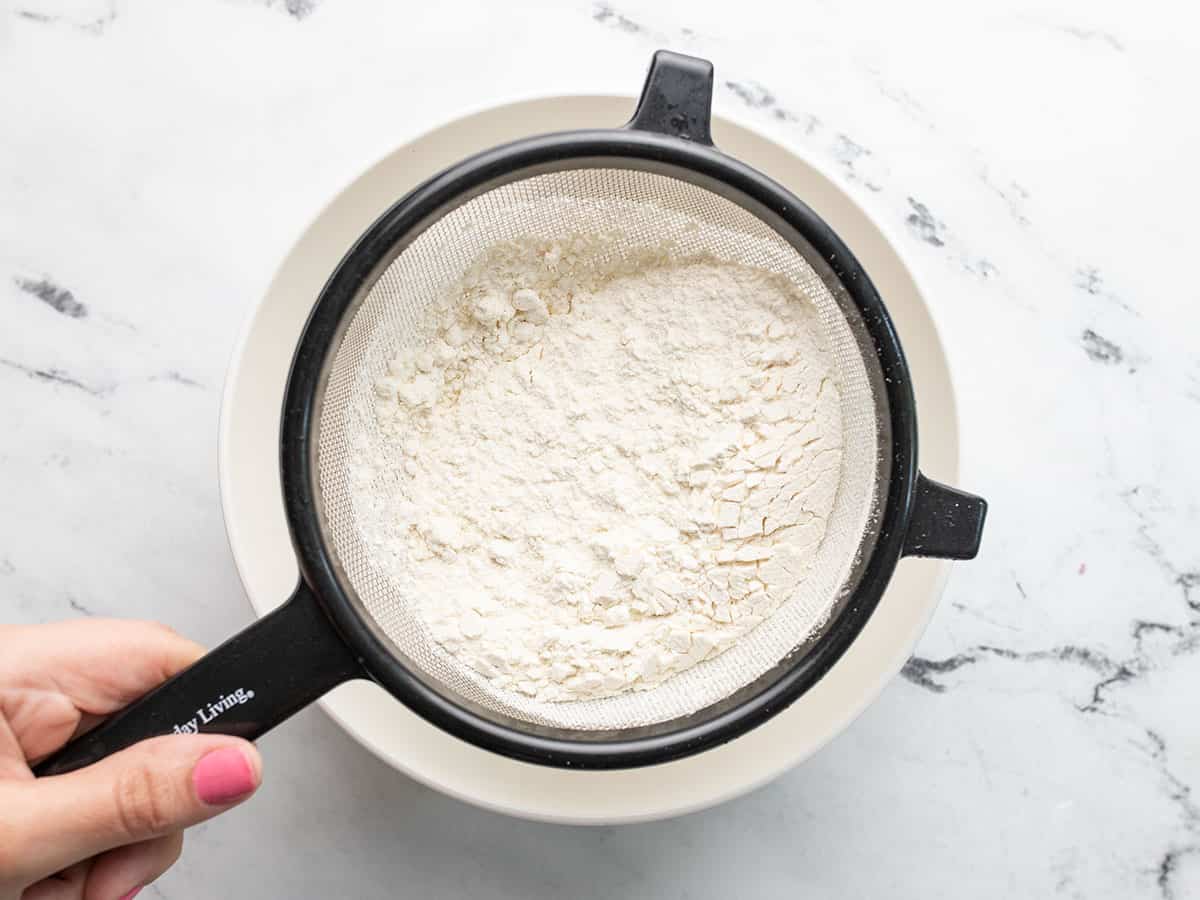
pixel 119 872
pixel 12 756
pixel 161 785
pixel 97 665
pixel 39 722
pixel 68 884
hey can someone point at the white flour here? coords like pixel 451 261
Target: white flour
pixel 598 478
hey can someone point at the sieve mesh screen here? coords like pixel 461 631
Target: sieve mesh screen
pixel 638 211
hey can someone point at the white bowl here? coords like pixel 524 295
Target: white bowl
pixel 254 514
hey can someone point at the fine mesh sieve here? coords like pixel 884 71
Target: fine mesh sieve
pixel 639 213
pixel 658 183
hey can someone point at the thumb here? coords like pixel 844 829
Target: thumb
pixel 153 788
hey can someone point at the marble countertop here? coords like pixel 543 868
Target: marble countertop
pixel 1037 161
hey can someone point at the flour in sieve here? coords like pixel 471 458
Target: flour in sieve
pixel 597 474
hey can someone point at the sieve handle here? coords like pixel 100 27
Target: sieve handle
pixel 946 523
pixel 676 98
pixel 245 687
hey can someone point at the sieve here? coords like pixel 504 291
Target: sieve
pixel 658 177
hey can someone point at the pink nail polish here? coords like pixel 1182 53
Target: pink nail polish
pixel 223 776
pixel 131 894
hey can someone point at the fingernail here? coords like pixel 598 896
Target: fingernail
pixel 131 894
pixel 223 776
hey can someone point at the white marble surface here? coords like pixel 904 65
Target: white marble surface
pixel 1038 161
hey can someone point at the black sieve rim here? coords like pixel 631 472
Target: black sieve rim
pixel 322 636
pixel 665 154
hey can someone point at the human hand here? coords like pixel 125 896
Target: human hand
pixel 104 831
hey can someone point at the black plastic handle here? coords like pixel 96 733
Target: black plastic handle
pixel 246 686
pixel 676 98
pixel 946 523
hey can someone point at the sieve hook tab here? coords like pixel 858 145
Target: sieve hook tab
pixel 946 523
pixel 676 98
